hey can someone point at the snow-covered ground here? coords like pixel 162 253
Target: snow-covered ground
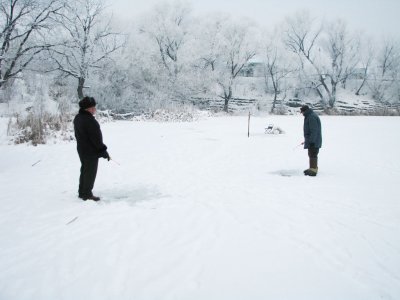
pixel 200 211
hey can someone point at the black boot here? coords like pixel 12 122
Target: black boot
pixel 94 198
pixel 313 170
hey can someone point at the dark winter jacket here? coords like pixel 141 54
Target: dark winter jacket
pixel 312 130
pixel 88 135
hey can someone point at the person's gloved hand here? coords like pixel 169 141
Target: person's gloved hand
pixel 105 155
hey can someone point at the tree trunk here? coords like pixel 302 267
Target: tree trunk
pixel 275 85
pixel 227 97
pixel 274 102
pixel 361 86
pixel 316 88
pixel 226 104
pixel 363 82
pixel 332 96
pixel 81 82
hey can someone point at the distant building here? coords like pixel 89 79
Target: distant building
pixel 253 68
pixel 358 73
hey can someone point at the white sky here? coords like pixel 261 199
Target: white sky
pixel 377 17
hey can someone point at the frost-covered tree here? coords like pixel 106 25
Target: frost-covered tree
pixel 366 57
pixel 24 25
pixel 238 47
pixel 88 40
pixel 167 26
pixel 233 45
pixel 301 37
pixel 165 44
pixel 279 64
pixel 209 36
pixel 207 50
pixel 331 52
pixel 385 76
pixel 343 55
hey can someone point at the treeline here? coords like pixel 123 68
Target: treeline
pixel 61 50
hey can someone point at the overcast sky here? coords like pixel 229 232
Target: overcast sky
pixel 377 17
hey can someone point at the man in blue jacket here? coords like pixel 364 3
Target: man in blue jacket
pixel 312 138
pixel 89 145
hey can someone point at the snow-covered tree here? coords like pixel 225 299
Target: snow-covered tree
pixel 279 64
pixel 343 50
pixel 301 37
pixel 167 27
pixel 239 46
pixel 209 36
pixel 384 79
pixel 165 42
pixel 366 57
pixel 88 40
pixel 331 52
pixel 24 25
pixel 235 44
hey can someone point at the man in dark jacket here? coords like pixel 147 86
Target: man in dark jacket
pixel 89 145
pixel 312 138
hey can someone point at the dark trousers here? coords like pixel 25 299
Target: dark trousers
pixel 88 175
pixel 313 155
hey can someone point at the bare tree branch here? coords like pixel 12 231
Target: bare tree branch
pixel 21 38
pixel 89 42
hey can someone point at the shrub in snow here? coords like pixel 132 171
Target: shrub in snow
pixel 39 129
pixel 41 119
pixel 32 128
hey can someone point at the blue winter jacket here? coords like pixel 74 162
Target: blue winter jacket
pixel 312 129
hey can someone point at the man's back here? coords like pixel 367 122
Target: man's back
pixel 312 129
pixel 88 134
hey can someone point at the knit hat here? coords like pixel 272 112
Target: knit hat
pixel 87 102
pixel 304 108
